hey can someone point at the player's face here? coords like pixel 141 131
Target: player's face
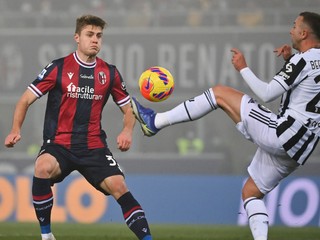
pixel 297 33
pixel 89 40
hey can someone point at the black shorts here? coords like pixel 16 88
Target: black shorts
pixel 94 164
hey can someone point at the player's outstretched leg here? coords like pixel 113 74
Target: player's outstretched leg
pixel 190 110
pixel 145 116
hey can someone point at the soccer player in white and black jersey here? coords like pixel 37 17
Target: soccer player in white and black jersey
pixel 285 140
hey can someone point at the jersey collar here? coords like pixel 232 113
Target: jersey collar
pixel 82 63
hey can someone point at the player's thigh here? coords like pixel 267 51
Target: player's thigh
pixel 102 171
pixel 267 169
pixel 64 166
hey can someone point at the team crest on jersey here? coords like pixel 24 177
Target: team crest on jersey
pixel 102 78
pixel 123 86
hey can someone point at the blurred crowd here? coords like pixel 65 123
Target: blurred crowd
pixel 152 13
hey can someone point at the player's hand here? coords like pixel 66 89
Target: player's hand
pixel 238 60
pixel 285 51
pixel 12 139
pixel 124 141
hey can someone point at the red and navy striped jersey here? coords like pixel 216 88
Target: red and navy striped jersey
pixel 77 94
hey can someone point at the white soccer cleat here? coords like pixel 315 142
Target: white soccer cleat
pixel 50 237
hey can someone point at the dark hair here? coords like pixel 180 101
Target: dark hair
pixel 86 20
pixel 313 21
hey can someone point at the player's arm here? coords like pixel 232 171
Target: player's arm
pixel 265 91
pixel 124 139
pixel 19 115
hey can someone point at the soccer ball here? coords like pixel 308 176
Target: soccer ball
pixel 156 84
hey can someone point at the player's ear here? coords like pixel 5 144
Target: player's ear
pixel 304 34
pixel 76 37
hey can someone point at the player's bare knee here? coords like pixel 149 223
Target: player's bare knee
pixel 115 186
pixel 45 167
pixel 42 169
pixel 120 191
pixel 251 190
pixel 220 94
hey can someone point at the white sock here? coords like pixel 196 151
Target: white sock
pixel 258 218
pixel 189 110
pixel 46 235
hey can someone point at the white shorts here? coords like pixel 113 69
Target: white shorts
pixel 270 163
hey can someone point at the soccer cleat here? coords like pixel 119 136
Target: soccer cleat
pixel 51 237
pixel 146 117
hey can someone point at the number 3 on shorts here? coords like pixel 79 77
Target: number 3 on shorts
pixel 112 161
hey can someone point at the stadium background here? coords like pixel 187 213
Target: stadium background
pixel 203 162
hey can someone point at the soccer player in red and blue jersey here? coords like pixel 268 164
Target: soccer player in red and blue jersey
pixel 78 88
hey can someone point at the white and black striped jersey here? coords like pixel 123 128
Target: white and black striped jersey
pixel 299 114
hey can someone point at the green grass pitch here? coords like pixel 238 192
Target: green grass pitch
pixel 68 231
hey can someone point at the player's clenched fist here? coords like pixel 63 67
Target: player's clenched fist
pixel 238 59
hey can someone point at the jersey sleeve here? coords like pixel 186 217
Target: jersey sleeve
pixel 265 91
pixel 119 90
pixel 45 81
pixel 292 73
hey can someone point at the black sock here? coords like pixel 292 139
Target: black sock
pixel 134 215
pixel 42 202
